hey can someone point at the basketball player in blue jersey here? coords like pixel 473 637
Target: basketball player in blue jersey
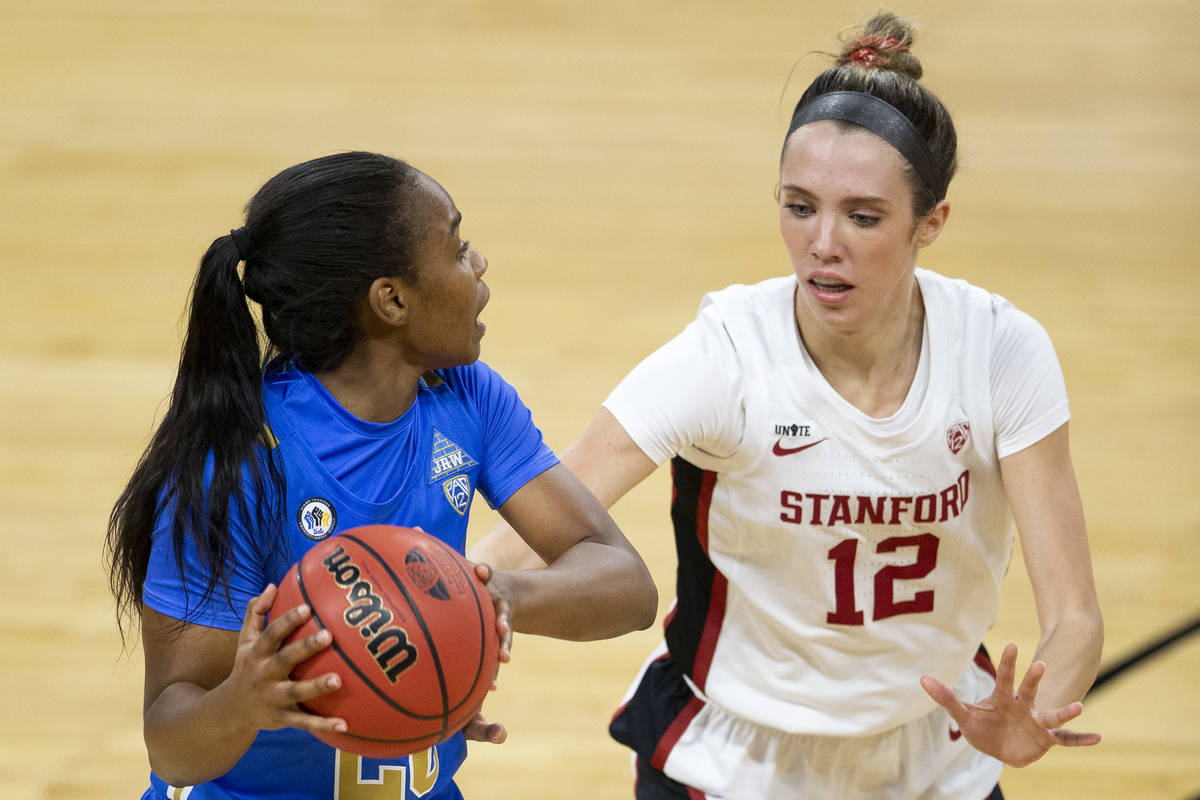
pixel 850 445
pixel 372 408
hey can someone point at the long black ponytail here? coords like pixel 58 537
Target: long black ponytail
pixel 316 236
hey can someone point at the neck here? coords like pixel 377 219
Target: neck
pixel 372 383
pixel 871 367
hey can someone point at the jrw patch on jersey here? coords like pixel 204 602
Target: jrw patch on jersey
pixel 447 458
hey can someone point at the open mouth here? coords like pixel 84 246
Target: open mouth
pixel 829 286
pixel 487 295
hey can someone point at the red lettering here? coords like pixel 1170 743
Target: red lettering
pixel 841 509
pixel 899 504
pixel 791 502
pixel 869 507
pixel 949 497
pixel 927 507
pixel 816 507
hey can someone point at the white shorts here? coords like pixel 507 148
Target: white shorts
pixel 725 757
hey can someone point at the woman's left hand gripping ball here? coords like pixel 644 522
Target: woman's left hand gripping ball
pixel 261 676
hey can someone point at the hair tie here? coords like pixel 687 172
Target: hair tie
pixel 241 240
pixel 864 56
pixel 866 49
pixel 881 118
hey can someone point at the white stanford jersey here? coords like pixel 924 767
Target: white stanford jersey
pixel 828 559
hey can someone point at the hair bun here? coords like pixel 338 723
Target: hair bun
pixel 884 43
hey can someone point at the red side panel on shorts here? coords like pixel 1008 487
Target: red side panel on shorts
pixel 669 739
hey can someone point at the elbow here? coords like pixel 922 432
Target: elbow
pixel 642 594
pixel 637 602
pixel 646 607
pixel 169 777
pixel 170 770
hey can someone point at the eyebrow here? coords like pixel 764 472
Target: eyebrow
pixel 454 225
pixel 867 199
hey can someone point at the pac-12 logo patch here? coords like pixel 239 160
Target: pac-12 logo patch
pixel 957 435
pixel 316 518
pixel 458 492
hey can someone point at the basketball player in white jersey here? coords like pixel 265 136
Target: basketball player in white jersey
pixel 850 446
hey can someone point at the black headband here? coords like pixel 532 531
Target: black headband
pixel 881 118
pixel 241 240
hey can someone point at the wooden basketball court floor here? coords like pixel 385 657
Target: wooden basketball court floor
pixel 614 161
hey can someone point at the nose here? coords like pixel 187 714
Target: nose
pixel 479 262
pixel 825 245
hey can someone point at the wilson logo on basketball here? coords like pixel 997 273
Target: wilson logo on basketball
pixel 957 435
pixel 388 644
pixel 425 576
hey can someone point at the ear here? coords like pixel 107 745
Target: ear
pixel 930 226
pixel 388 301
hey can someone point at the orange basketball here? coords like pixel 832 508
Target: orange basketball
pixel 414 637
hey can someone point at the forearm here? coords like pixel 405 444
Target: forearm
pixel 594 590
pixel 1070 649
pixel 604 459
pixel 503 549
pixel 194 735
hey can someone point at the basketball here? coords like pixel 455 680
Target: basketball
pixel 414 637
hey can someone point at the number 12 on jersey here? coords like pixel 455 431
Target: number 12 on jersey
pixel 843 556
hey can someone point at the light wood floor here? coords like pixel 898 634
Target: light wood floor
pixel 614 161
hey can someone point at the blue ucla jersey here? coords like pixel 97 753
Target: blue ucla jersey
pixel 467 430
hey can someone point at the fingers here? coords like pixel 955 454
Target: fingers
pixel 300 650
pixel 271 638
pixel 480 730
pixel 1068 738
pixel 1029 684
pixel 1006 670
pixel 944 697
pixel 270 647
pixel 1058 717
pixel 496 733
pixel 296 692
pixel 255 619
pixel 504 631
pixel 312 722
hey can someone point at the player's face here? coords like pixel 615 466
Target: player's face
pixel 444 328
pixel 846 215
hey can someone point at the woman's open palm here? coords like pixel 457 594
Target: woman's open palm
pixel 1006 725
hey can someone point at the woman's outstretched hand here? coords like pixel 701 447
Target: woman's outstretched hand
pixel 1006 725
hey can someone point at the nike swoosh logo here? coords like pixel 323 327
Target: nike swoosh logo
pixel 955 734
pixel 780 450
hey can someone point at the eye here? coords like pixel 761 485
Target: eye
pixel 799 209
pixel 463 248
pixel 865 220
